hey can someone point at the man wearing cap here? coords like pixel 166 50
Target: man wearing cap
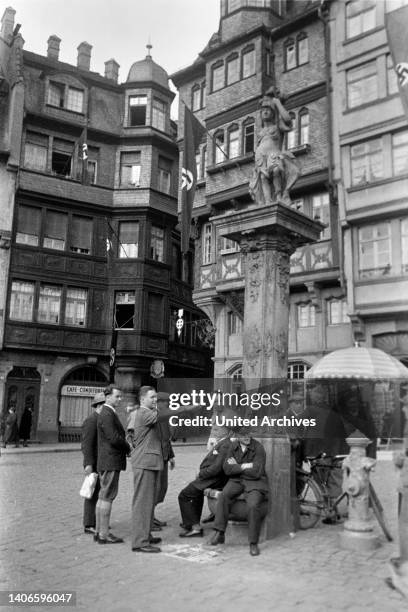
pixel 163 430
pixel 245 467
pixel 89 447
pixel 112 451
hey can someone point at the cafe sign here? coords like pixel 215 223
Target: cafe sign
pixel 80 390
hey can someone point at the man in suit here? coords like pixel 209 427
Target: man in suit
pixel 210 475
pixel 167 453
pixel 112 451
pixel 89 448
pixel 147 462
pixel 245 467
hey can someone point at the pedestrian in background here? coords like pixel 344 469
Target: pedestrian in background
pixel 112 451
pixel 11 432
pixel 167 454
pixel 89 448
pixel 25 425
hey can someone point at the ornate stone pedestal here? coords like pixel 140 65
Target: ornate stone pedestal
pixel 268 235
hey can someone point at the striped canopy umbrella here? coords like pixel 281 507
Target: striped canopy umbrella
pixel 359 363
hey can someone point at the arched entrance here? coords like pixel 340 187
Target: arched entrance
pixel 76 393
pixel 23 391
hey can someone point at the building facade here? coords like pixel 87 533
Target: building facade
pixel 259 45
pixel 94 249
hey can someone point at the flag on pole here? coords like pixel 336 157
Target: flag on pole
pixel 83 155
pixel 397 33
pixel 112 353
pixel 193 133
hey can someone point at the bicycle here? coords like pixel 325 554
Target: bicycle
pixel 314 498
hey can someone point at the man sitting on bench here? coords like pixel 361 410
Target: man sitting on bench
pixel 191 498
pixel 245 467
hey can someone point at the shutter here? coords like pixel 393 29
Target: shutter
pixel 29 220
pixel 81 233
pixel 129 232
pixel 63 146
pixel 38 139
pixel 56 225
pixel 133 157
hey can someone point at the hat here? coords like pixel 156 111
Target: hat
pixel 163 396
pixel 98 399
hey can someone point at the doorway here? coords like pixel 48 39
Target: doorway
pixel 23 391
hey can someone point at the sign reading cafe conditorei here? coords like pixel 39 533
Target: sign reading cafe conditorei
pixel 80 390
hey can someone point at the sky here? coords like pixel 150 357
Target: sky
pixel 178 29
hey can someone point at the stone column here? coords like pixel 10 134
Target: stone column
pixel 267 236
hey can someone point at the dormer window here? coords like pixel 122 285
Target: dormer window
pixel 137 110
pixel 64 96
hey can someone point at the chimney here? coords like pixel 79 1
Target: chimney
pixel 112 70
pixel 53 48
pixel 84 56
pixel 7 24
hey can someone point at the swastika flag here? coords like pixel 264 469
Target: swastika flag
pixel 193 133
pixel 397 33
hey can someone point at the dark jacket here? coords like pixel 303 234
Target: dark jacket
pixel 164 433
pixel 89 443
pixel 211 473
pixel 25 424
pixel 112 445
pixel 253 478
pixel 144 437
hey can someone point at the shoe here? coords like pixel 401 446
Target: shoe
pixel 253 550
pixel 111 539
pixel 331 520
pixel 91 530
pixel 155 528
pixel 192 533
pixel 96 537
pixel 153 540
pixel 147 549
pixel 208 519
pixel 218 538
pixel 159 523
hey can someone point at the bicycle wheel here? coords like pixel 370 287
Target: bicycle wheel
pixel 310 502
pixel 379 513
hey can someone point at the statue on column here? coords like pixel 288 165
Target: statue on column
pixel 275 170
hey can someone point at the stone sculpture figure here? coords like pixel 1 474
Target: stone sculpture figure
pixel 275 170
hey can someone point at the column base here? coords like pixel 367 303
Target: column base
pixel 361 541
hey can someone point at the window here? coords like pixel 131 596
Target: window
pixel 233 69
pixel 137 110
pixel 400 153
pixel 303 126
pixel 362 84
pixel 227 245
pixel 35 151
pixel 236 378
pixel 249 136
pixel 233 5
pixel 55 232
pixel 124 309
pixel 337 311
pixel 248 63
pixel 63 96
pixel 367 162
pixel 306 315
pixel 164 174
pixel 198 165
pixel 375 249
pixel 219 148
pixel 56 94
pixel 203 91
pixel 302 49
pixel 196 98
pixel 404 244
pixel 392 5
pixel 297 370
pixel 49 304
pixel 28 225
pixel 76 306
pixel 234 324
pixel 157 243
pixel 217 77
pixel 75 100
pixel 204 160
pixel 61 162
pixel 130 169
pixel 81 235
pixel 233 142
pixel 392 81
pixel 321 211
pixel 155 312
pixel 360 16
pixel 207 243
pixel 269 59
pixel 92 167
pixel 128 239
pixel 159 114
pixel 290 55
pixel 21 301
pixel 291 135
